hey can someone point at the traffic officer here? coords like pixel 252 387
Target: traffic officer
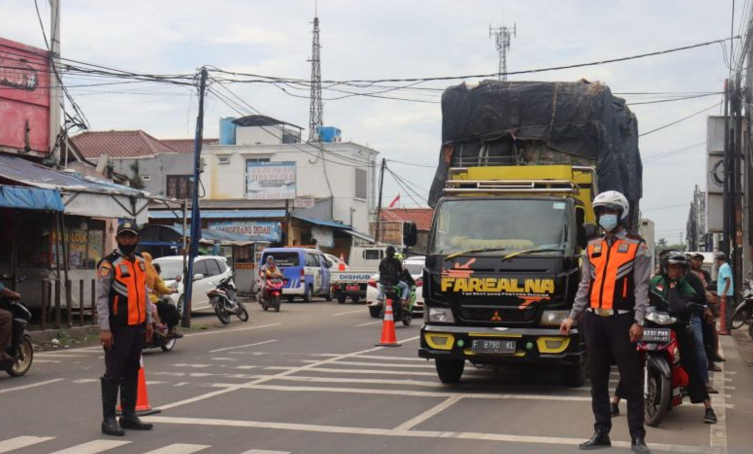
pixel 614 293
pixel 124 314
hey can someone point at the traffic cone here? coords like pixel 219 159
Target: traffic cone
pixel 341 266
pixel 723 318
pixel 142 398
pixel 389 338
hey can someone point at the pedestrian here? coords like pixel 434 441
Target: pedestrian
pixel 125 318
pixel 613 292
pixel 725 288
pixel 697 321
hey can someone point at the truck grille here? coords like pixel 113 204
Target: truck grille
pixel 498 315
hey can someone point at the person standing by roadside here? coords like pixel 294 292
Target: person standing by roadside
pixel 124 314
pixel 613 292
pixel 726 290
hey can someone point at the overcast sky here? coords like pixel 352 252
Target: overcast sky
pixel 398 39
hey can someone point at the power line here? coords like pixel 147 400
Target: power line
pixel 680 120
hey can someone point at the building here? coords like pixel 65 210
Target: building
pixel 391 225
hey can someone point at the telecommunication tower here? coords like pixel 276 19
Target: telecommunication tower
pixel 502 36
pixel 315 111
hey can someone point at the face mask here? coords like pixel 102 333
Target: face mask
pixel 608 221
pixel 127 249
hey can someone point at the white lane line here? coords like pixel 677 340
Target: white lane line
pixel 53 361
pixel 349 312
pixel 93 447
pixel 246 367
pixel 392 358
pixel 57 355
pixel 179 448
pixel 242 346
pixel 231 330
pixel 85 380
pixel 224 359
pixel 355 371
pixel 195 366
pixel 183 383
pixel 430 413
pixel 718 431
pixel 368 323
pixel 373 364
pixel 264 451
pixel 33 385
pixel 281 374
pixel 504 438
pixel 20 442
pixel 368 381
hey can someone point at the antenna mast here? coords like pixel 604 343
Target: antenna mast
pixel 502 36
pixel 316 109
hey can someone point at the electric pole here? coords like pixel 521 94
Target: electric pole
pixel 502 37
pixel 316 109
pixel 195 212
pixel 379 204
pixel 56 80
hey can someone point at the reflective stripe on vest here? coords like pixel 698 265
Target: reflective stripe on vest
pixel 128 291
pixel 612 283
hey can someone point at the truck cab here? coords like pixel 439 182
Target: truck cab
pixel 503 267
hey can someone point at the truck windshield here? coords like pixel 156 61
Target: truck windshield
pixel 500 225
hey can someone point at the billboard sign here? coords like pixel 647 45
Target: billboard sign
pixel 24 98
pixel 254 230
pixel 270 180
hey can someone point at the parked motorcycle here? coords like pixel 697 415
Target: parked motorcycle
pixel 400 313
pixel 271 299
pixel 744 311
pixel 224 300
pixel 21 348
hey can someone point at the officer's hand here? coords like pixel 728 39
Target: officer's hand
pixel 107 340
pixel 708 314
pixel 636 332
pixel 565 326
pixel 149 332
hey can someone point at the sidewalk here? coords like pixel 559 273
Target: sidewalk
pixel 738 382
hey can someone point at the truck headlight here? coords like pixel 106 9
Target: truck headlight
pixel 553 318
pixel 440 315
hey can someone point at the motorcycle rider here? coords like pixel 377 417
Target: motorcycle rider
pixel 710 335
pixel 166 312
pixel 6 324
pixel 268 271
pixel 390 274
pixel 671 288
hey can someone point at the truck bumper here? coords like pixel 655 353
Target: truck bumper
pixel 532 345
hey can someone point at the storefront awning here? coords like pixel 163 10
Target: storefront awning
pixel 319 222
pixel 360 235
pixel 225 214
pixel 19 197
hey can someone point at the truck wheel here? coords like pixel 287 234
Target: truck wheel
pixel 575 375
pixel 449 370
pixel 355 299
pixel 375 311
pixel 341 298
pixel 307 295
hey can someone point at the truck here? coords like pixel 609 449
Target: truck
pixel 353 282
pixel 519 166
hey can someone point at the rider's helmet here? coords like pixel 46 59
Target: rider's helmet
pixel 390 251
pixel 674 258
pixel 612 200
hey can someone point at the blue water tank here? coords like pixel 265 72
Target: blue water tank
pixel 227 131
pixel 329 134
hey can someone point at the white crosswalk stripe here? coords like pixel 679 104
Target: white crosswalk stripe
pixel 264 451
pixel 179 448
pixel 20 442
pixel 93 447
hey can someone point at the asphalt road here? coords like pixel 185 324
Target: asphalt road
pixel 310 380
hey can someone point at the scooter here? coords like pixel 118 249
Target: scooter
pixel 225 302
pixel 160 338
pixel 21 348
pixel 272 294
pixel 401 314
pixel 744 311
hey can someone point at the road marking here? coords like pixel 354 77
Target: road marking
pixel 183 383
pixel 231 330
pixel 242 346
pixel 58 355
pixel 20 442
pixel 346 313
pixel 34 385
pixel 356 363
pixel 196 366
pixel 39 361
pixel 264 451
pixel 355 371
pixel 392 358
pixel 430 413
pixel 225 359
pixel 93 447
pixel 282 374
pixel 504 438
pixel 718 431
pixel 368 323
pixel 370 381
pixel 179 448
pixel 247 367
pixel 86 380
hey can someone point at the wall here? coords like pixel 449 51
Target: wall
pixel 157 168
pixel 254 135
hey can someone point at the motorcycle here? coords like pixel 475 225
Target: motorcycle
pixel 744 311
pixel 224 300
pixel 21 348
pixel 400 313
pixel 272 293
pixel 160 338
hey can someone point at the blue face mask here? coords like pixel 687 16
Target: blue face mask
pixel 608 221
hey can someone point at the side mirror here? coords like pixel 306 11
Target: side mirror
pixel 198 277
pixel 410 234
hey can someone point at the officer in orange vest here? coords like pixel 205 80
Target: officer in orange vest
pixel 125 317
pixel 614 294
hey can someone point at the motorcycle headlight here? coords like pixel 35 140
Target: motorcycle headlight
pixel 440 315
pixel 553 318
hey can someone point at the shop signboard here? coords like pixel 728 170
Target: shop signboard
pixel 270 180
pixel 253 230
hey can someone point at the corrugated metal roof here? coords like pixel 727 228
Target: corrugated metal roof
pixel 236 214
pixel 332 224
pixel 261 120
pixel 119 144
pixel 185 146
pixel 421 216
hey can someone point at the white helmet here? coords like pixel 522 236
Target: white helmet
pixel 613 200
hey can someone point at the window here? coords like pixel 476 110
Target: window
pixel 223 160
pixel 179 186
pixel 361 185
pixel 200 267
pixel 213 267
pixel 373 254
pixel 146 177
pixel 222 266
pixel 283 259
pixel 257 159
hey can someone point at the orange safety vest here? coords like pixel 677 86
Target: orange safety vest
pixel 127 302
pixel 612 275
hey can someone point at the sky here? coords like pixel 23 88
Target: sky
pixel 399 39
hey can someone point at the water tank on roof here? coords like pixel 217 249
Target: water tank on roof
pixel 329 134
pixel 227 131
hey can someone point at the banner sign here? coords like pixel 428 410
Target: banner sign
pixel 270 180
pixel 254 230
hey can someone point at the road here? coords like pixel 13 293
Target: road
pixel 310 380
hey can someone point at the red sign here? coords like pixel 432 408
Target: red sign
pixel 24 98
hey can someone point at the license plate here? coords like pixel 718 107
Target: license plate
pixel 493 346
pixel 353 288
pixel 656 335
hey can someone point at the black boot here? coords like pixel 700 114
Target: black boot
pixel 109 400
pixel 128 396
pixel 639 445
pixel 598 440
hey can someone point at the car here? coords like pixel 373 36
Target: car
pixel 307 272
pixel 208 271
pixel 415 266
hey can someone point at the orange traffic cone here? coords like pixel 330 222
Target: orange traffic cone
pixel 142 400
pixel 389 338
pixel 341 266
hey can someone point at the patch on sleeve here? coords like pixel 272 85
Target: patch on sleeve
pixel 104 269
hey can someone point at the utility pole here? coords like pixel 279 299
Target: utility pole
pixel 195 212
pixel 502 37
pixel 316 108
pixel 379 204
pixel 725 246
pixel 56 80
pixel 737 181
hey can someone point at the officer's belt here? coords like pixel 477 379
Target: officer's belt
pixel 607 312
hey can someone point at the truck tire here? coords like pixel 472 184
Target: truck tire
pixel 449 370
pixel 355 298
pixel 307 295
pixel 575 375
pixel 341 298
pixel 375 311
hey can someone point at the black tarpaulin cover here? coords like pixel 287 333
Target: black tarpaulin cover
pixel 539 123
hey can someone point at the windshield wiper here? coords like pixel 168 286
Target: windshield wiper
pixel 531 251
pixel 474 251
